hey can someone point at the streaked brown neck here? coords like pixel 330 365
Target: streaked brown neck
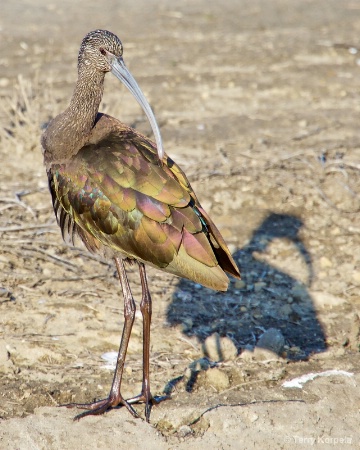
pixel 69 131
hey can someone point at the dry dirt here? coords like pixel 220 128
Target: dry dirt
pixel 259 102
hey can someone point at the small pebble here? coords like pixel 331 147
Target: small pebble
pixel 184 431
pixel 240 284
pixel 325 262
pixel 4 293
pixel 272 340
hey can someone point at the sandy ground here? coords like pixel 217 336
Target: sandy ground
pixel 258 101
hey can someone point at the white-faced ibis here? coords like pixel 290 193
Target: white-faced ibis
pixel 125 198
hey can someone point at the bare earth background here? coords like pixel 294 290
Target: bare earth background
pixel 259 102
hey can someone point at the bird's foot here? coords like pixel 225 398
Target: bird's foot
pixel 101 406
pixel 149 401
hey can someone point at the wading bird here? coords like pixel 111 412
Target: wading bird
pixel 126 199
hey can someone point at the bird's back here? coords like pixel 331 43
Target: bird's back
pixel 115 193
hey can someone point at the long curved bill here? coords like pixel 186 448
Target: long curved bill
pixel 121 72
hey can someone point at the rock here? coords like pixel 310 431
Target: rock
pixel 5 294
pixel 299 292
pixel 217 379
pixel 272 340
pixel 325 262
pixel 264 354
pixel 261 354
pixel 251 416
pixel 228 349
pixel 211 347
pixel 247 354
pixel 218 348
pixel 187 324
pixel 240 284
pixel 184 431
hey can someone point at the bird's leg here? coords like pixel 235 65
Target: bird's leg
pixel 146 310
pixel 115 398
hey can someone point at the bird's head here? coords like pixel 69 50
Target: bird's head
pixel 102 51
pixel 99 49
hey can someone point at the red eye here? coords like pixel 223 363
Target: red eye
pixel 102 51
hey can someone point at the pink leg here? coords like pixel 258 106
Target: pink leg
pixel 115 398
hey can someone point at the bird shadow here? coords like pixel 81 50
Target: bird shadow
pixel 265 298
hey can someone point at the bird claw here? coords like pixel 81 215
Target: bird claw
pixel 149 402
pixel 100 407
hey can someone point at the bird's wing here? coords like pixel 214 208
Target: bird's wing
pixel 115 192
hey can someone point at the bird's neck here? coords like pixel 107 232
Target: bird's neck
pixel 70 130
pixel 86 98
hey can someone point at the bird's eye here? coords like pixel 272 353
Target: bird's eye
pixel 102 51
